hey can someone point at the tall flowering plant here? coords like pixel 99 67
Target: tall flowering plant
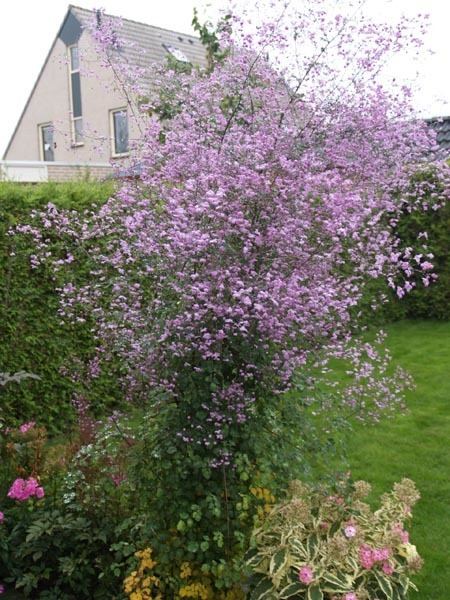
pixel 267 196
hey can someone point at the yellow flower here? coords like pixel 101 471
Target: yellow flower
pixel 185 570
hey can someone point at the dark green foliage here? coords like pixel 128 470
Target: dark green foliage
pixel 432 302
pixel 63 552
pixel 32 337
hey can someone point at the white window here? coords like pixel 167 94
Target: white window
pixel 46 143
pixel 75 96
pixel 119 132
pixel 176 53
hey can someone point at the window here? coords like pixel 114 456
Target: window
pixel 75 96
pixel 46 142
pixel 176 53
pixel 119 132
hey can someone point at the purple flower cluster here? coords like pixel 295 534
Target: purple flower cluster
pixel 263 207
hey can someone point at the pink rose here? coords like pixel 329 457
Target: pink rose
pixel 305 575
pixel 22 489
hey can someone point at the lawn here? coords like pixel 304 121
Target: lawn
pixel 417 445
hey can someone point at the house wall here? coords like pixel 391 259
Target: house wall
pixel 50 103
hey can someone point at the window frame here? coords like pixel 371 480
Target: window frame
pixel 73 131
pixel 41 127
pixel 112 111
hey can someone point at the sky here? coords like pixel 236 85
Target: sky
pixel 28 28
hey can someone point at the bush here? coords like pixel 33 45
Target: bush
pixel 320 545
pixel 71 531
pixel 431 302
pixel 424 301
pixel 33 338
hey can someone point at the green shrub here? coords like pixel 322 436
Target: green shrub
pixel 33 338
pixel 78 540
pixel 433 301
pixel 423 302
pixel 322 544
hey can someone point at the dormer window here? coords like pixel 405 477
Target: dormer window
pixel 75 96
pixel 176 53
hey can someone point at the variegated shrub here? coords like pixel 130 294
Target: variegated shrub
pixel 322 546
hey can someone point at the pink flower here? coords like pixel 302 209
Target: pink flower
pixel 387 568
pixel 351 596
pixel 22 489
pixel 118 478
pixel 366 557
pixel 26 426
pixel 2 517
pixel 305 575
pixel 404 536
pixel 350 531
pixel 2 588
pixel 381 554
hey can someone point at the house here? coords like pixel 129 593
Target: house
pixel 76 121
pixel 441 126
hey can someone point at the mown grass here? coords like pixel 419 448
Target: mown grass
pixel 417 445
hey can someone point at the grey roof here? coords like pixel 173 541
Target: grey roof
pixel 145 44
pixel 441 125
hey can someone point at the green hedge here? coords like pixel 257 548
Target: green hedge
pixel 432 302
pixel 32 337
pixel 34 340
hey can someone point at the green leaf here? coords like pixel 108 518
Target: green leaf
pixel 311 544
pixel 192 547
pixel 385 585
pixel 252 558
pixel 334 584
pixel 262 590
pixel 292 589
pixel 278 561
pixel 314 593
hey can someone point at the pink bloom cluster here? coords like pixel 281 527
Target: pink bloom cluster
pixel 306 575
pixel 351 596
pixel 2 517
pixel 350 530
pixel 402 533
pixel 368 557
pixel 22 489
pixel 26 426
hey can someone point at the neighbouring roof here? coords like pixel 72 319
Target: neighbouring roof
pixel 146 44
pixel 441 125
